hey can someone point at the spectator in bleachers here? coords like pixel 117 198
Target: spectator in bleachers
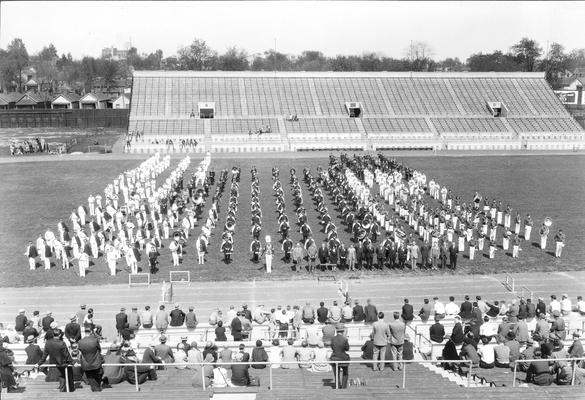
pixel 194 355
pixel 308 313
pixel 437 331
pixel 527 354
pixel 289 354
pixel 161 321
pixel 236 328
pixel 539 372
pixel 566 305
pixel 502 353
pixel 439 309
pixel 407 312
pixel 142 372
pixel 514 347
pixel 275 354
pixel 121 320
pixel 487 356
pixel 488 330
pixel 449 353
pixel 340 346
pixel 29 330
pixel 469 352
pixel 259 355
pixel 305 355
pixel 322 313
pixel 380 338
pixel 334 316
pixel 208 373
pixel 57 353
pixel 146 318
pixel 91 360
pixel 457 335
pixel 20 321
pixel 134 320
pixel 576 348
pixel 113 375
pixel 542 330
pixel 425 311
pixel 177 316
pixel 580 305
pixel 164 351
pixel 358 312
pixel 33 351
pixel 397 334
pixel 47 320
pixel 371 313
pixel 557 328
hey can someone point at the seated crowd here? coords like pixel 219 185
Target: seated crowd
pixel 490 335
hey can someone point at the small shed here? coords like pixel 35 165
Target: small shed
pixel 123 101
pixel 97 101
pixel 65 101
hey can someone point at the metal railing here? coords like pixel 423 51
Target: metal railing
pixel 551 360
pixel 334 364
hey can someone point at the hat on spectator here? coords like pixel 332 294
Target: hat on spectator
pixel 576 334
pixel 73 317
pixel 162 338
pixel 556 313
pixel 30 339
pixel 123 309
pixel 209 344
pixel 242 346
pixel 245 306
pixel 82 306
pixel 134 308
pixel 152 344
pixel 177 305
pixel 340 327
pixel 54 325
pixel 565 295
pixel 183 338
pixel 22 311
pixel 49 312
pixel 114 346
pixel 191 308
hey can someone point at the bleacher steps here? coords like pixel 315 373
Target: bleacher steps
pixel 454 96
pixel 385 98
pixel 315 97
pixel 243 101
pixel 524 97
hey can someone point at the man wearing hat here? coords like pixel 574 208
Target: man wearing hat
pixel 164 351
pixel 47 321
pixel 566 305
pixel 20 321
pixel 58 354
pixel 33 351
pixel 340 346
pixel 576 348
pixel 121 320
pixel 134 320
pixel 73 330
pixel 191 319
pixel 177 316
pixel 113 374
pixel 149 356
pixel 557 327
pixel 91 360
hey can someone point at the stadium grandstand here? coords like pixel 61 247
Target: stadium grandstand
pixel 294 111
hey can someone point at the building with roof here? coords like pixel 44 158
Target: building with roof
pixel 96 101
pixel 122 101
pixel 66 101
pixel 8 100
pixel 34 101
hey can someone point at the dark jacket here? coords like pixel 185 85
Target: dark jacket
pixel 371 313
pixel 236 327
pixel 259 355
pixel 121 321
pixel 340 346
pixel 73 332
pixel 322 313
pixel 90 349
pixel 358 313
pixel 437 332
pixel 407 312
pixel 57 352
pixel 177 317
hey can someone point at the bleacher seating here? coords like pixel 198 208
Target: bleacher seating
pixel 544 125
pixel 419 96
pixel 446 108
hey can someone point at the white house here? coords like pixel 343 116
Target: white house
pixel 96 101
pixel 123 101
pixel 66 100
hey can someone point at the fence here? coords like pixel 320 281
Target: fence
pixel 269 364
pixel 81 119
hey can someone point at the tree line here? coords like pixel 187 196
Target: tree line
pixel 80 74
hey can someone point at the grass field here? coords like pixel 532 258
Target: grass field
pixel 35 195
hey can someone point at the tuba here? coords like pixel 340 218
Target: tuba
pixel 547 222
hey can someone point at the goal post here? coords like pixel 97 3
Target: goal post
pixel 140 279
pixel 180 277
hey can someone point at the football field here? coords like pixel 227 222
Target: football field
pixel 36 194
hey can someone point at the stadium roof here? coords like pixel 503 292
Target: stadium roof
pixel 332 74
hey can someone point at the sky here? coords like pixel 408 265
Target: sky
pixel 452 29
